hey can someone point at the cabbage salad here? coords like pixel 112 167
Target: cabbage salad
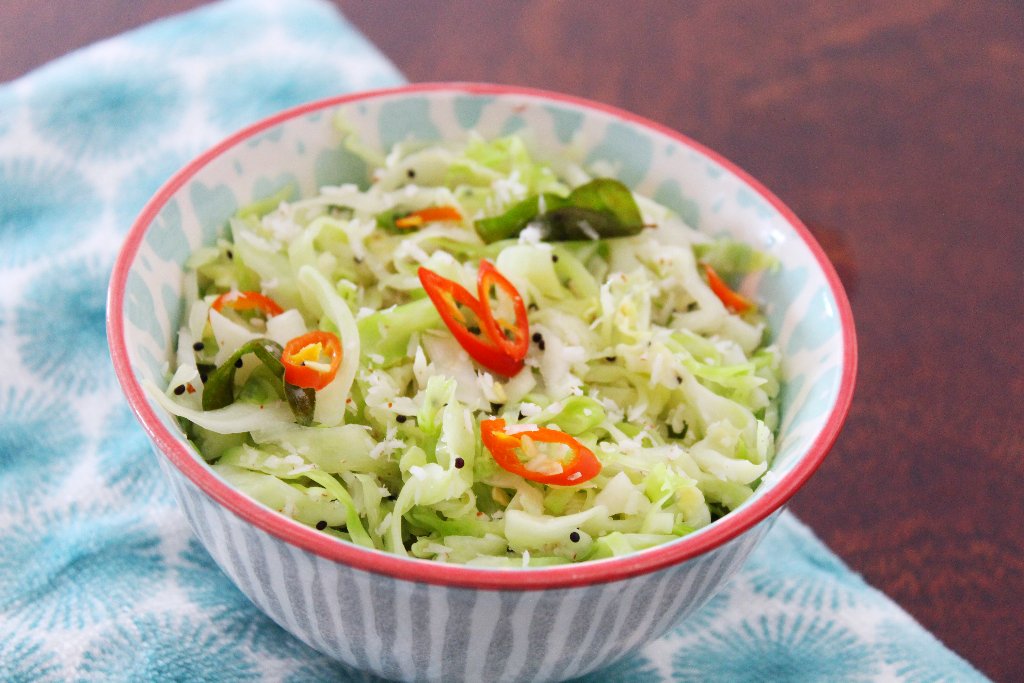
pixel 478 358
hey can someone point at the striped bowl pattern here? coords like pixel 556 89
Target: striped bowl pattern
pixel 417 620
pixel 415 631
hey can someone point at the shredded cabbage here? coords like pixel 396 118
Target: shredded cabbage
pixel 632 354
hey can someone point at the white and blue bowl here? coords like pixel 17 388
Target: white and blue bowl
pixel 412 619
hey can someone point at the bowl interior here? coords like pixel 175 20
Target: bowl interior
pixel 806 308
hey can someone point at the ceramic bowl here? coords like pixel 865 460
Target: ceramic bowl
pixel 406 618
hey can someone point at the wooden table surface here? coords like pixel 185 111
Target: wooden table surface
pixel 895 129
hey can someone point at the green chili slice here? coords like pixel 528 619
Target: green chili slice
pixel 219 390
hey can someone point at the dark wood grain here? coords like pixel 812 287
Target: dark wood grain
pixel 896 130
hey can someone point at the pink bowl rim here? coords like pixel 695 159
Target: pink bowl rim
pixel 426 571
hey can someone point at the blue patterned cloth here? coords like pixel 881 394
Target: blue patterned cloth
pixel 100 578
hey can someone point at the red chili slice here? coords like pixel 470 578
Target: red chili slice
pixel 734 301
pixel 513 339
pixel 488 344
pixel 247 301
pixel 304 348
pixel 428 215
pixel 581 467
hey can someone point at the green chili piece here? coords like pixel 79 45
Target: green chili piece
pixel 261 387
pixel 220 385
pixel 219 390
pixel 302 402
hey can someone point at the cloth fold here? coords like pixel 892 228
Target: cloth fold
pixel 100 577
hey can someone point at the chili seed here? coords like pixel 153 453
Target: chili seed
pixel 198 346
pixel 321 525
pixel 611 359
pixel 401 418
pixel 537 337
pixel 554 258
pixel 179 390
pixel 229 254
pixel 574 537
pixel 459 463
pixel 238 363
pixel 411 173
pixel 540 345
